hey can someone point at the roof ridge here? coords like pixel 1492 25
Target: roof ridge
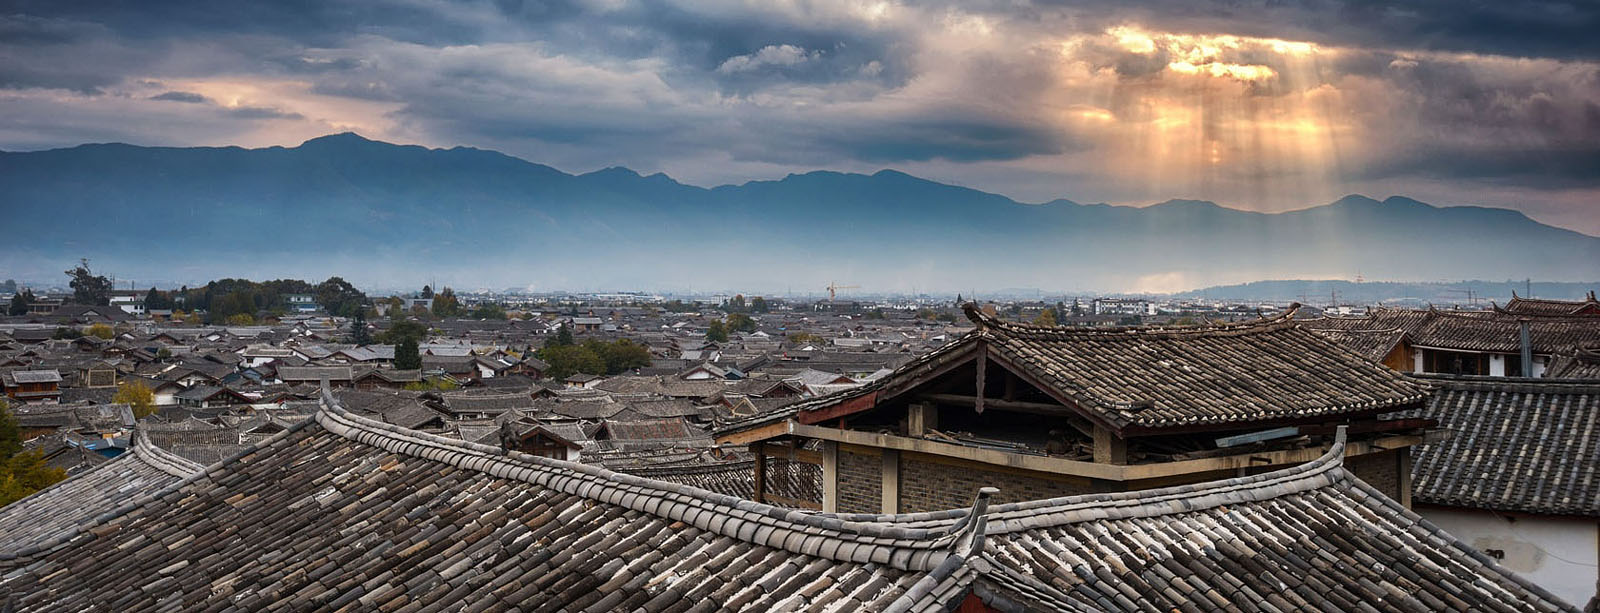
pixel 163 460
pixel 1326 470
pixel 1537 384
pixel 882 539
pixel 985 321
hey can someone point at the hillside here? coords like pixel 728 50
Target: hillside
pixel 379 213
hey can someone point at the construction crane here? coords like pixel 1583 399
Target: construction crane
pixel 832 287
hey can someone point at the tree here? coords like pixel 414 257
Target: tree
pixel 568 360
pixel 427 291
pixel 758 305
pixel 563 337
pixel 875 314
pixel 717 332
pixel 102 331
pixel 806 338
pixel 620 356
pixel 445 304
pixel 737 304
pixel 739 322
pixel 21 472
pixel 87 287
pixel 155 299
pixel 403 330
pixel 1046 317
pixel 489 310
pixel 66 333
pixel 241 319
pixel 138 396
pixel 406 356
pixel 358 329
pixel 339 297
pixel 20 303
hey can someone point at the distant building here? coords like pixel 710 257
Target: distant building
pixel 1123 306
pixel 302 303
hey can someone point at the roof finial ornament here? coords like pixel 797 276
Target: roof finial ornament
pixel 978 522
pixel 976 315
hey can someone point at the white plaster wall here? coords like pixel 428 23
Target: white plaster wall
pixel 1558 554
pixel 1497 365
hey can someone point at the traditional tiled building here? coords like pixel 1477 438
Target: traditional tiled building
pixel 1519 480
pixel 1497 343
pixel 1049 411
pixel 345 513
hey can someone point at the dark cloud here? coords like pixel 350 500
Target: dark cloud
pixel 261 112
pixel 190 97
pixel 780 86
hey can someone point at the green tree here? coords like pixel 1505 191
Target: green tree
pixel 620 356
pixel 1046 317
pixel 568 360
pixel 20 302
pixel 875 314
pixel 445 304
pixel 403 330
pixel 66 333
pixel 563 337
pixel 758 305
pixel 489 310
pixel 87 287
pixel 736 305
pixel 739 322
pixel 21 472
pixel 137 395
pixel 358 329
pixel 241 319
pixel 339 297
pixel 406 356
pixel 806 338
pixel 427 291
pixel 717 332
pixel 154 299
pixel 102 331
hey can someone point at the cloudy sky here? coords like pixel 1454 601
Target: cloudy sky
pixel 1256 104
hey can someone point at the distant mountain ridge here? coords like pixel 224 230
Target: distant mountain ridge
pixel 343 204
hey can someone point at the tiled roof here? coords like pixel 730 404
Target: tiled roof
pixel 1157 378
pixel 55 512
pixel 342 512
pixel 1374 345
pixel 1581 364
pixel 1517 445
pixel 1542 306
pixel 1490 331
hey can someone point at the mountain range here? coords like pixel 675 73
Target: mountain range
pixel 379 213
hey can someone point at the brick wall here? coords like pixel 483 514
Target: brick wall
pixel 1380 470
pixel 860 483
pixel 936 486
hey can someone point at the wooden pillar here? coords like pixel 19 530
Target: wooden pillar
pixel 760 450
pixel 1108 447
pixel 891 481
pixel 830 477
pixel 921 418
pixel 1403 461
pixel 983 363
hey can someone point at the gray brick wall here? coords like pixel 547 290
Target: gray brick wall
pixel 934 486
pixel 1380 470
pixel 860 483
